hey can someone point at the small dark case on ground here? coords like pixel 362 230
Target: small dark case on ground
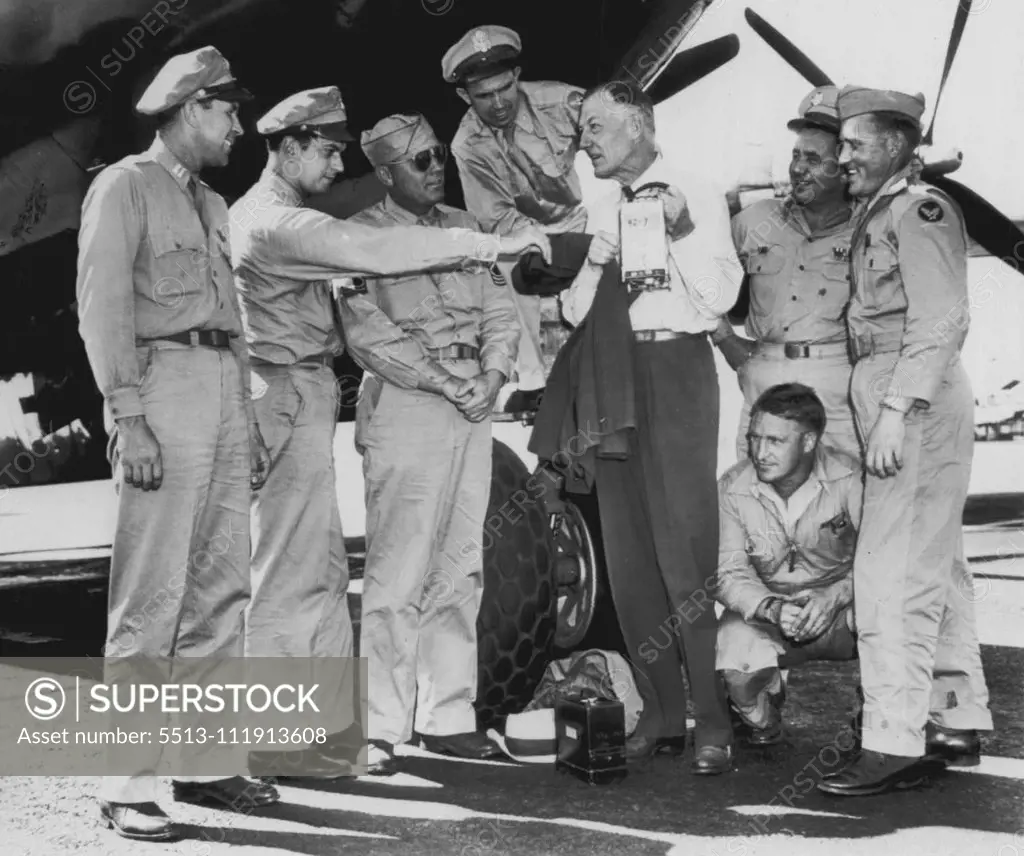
pixel 591 739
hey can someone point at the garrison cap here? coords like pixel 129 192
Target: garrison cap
pixel 395 137
pixel 858 100
pixel 818 110
pixel 320 110
pixel 480 53
pixel 204 73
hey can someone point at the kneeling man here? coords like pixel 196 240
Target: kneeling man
pixel 788 523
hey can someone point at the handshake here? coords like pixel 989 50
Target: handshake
pixel 474 397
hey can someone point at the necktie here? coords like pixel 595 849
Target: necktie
pixel 432 219
pixel 197 202
pixel 521 160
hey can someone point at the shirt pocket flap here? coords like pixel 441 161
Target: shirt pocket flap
pixel 836 271
pixel 164 241
pixel 765 260
pixel 881 258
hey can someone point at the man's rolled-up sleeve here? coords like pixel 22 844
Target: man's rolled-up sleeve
pixel 738 586
pixel 108 241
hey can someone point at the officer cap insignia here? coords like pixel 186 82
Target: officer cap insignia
pixel 816 99
pixel 481 41
pixel 930 212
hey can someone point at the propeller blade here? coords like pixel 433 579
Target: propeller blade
pixel 662 35
pixel 787 50
pixel 963 9
pixel 689 66
pixel 992 229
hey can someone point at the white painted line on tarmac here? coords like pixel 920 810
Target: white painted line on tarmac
pixel 780 810
pixel 995 765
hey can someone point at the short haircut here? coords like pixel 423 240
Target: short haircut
pixel 625 93
pixel 887 122
pixel 795 402
pixel 164 120
pixel 276 140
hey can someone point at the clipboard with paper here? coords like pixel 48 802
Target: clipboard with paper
pixel 642 239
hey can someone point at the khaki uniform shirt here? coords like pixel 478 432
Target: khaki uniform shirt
pixel 799 279
pixel 148 267
pixel 763 551
pixel 910 285
pixel 497 191
pixel 436 310
pixel 284 256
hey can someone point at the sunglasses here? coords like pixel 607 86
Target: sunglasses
pixel 421 160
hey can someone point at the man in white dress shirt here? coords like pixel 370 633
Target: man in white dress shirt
pixel 659 507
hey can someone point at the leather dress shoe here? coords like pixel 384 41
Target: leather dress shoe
pixel 138 821
pixel 877 773
pixel 711 760
pixel 311 763
pixel 640 747
pixel 469 744
pixel 332 759
pixel 958 748
pixel 760 737
pixel 380 758
pixel 674 746
pixel 236 794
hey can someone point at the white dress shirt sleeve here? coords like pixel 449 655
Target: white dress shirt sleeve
pixel 576 299
pixel 706 259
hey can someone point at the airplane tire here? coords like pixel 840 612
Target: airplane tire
pixel 516 623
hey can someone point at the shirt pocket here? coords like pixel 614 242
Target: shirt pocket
pixel 837 537
pixel 765 260
pixel 182 262
pixel 881 284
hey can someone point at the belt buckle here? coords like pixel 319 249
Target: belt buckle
pixel 193 338
pixel 865 346
pixel 792 350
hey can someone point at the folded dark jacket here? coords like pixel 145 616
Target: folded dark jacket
pixel 588 409
pixel 533 275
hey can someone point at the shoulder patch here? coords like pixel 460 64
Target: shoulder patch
pixel 930 211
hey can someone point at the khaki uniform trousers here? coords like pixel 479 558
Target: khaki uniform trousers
pixel 532 310
pixel 300 571
pixel 912 585
pixel 828 376
pixel 428 477
pixel 531 366
pixel 179 570
pixel 749 646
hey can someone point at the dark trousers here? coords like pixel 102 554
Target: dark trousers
pixel 659 516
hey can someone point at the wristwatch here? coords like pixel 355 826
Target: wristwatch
pixel 771 609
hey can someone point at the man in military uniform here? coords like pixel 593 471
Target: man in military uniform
pixel 796 255
pixel 659 513
pixel 516 152
pixel 788 524
pixel 427 461
pixel 283 255
pixel 161 328
pixel 908 318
